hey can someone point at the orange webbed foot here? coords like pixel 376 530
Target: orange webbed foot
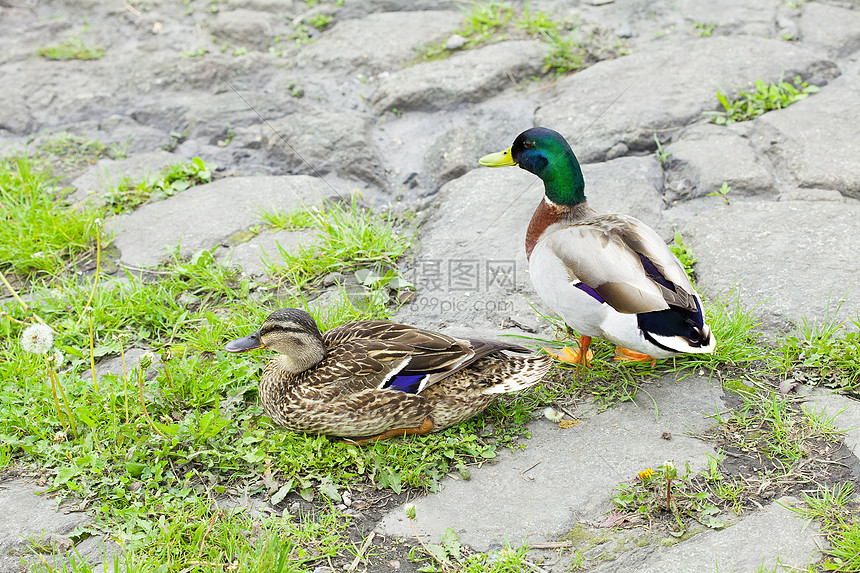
pixel 626 355
pixel 581 357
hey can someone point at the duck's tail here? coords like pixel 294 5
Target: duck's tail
pixel 518 373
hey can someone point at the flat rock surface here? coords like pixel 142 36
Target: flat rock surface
pixel 817 147
pixel 378 42
pixel 206 216
pixel 704 157
pixel 656 89
pixel 441 84
pixel 565 476
pixel 788 257
pixel 26 516
pixel 746 546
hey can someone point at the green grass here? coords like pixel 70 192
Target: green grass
pixel 665 490
pixel 155 447
pixel 129 195
pixel 320 21
pixel 40 235
pixel 72 49
pixel 766 97
pixel 67 153
pixel 787 446
pixel 824 353
pixel 840 519
pixel 196 52
pixel 226 539
pixel 722 192
pixel 704 30
pixel 535 24
pixel 289 220
pixel 566 54
pixel 662 154
pixel 349 238
pixel 484 22
pixel 450 555
pixel 684 254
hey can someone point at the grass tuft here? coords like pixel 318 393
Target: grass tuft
pixel 176 178
pixel 766 97
pixel 349 238
pixel 40 235
pixel 72 49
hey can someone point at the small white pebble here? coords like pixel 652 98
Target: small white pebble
pixel 455 42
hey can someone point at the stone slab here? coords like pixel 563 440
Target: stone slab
pixel 734 17
pixel 789 259
pixel 443 83
pixel 207 215
pixel 321 143
pixel 567 475
pixel 663 86
pixel 706 156
pixel 475 225
pixel 834 28
pixel 750 545
pixel 378 42
pixel 27 516
pixel 810 130
pixel 108 173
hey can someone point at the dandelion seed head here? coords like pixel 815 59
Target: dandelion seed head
pixel 553 415
pixel 56 359
pixel 37 338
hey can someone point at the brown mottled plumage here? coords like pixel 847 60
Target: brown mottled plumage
pixel 338 383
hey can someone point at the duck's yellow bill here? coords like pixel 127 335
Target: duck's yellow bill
pixel 499 159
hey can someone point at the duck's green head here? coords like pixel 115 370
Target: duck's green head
pixel 545 153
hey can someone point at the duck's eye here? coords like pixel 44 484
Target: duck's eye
pixel 528 144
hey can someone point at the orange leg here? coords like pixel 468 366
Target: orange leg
pixel 424 428
pixel 627 355
pixel 581 357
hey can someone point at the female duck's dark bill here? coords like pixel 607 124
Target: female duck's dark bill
pixel 250 342
pixel 499 159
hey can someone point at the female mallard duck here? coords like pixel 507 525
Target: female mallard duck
pixel 377 379
pixel 607 276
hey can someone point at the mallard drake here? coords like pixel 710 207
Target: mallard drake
pixel 607 276
pixel 375 379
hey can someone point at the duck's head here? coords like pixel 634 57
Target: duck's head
pixel 289 331
pixel 547 154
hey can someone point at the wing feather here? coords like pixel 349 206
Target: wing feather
pixel 605 252
pixel 371 353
